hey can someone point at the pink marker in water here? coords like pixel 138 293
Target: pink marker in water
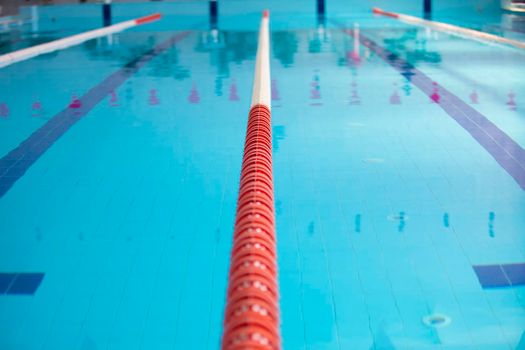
pixel 512 101
pixel 37 108
pixel 474 97
pixel 275 91
pixel 113 99
pixel 75 102
pixel 153 99
pixel 435 97
pixel 233 92
pixel 354 54
pixel 394 98
pixel 194 94
pixel 315 91
pixel 4 110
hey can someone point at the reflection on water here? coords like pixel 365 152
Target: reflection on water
pixel 407 87
pixel 284 46
pixel 194 94
pixel 279 134
pixel 492 217
pixel 319 38
pixel 435 97
pixel 131 47
pixel 355 99
pixel 395 99
pixel 357 223
pixel 13 40
pixel 511 25
pixel 234 96
pixel 474 97
pixel 4 110
pixel 225 48
pixel 512 101
pixel 153 99
pixel 113 99
pixel 167 65
pixel 446 220
pixel 228 47
pixel 129 91
pixel 235 47
pixel 413 47
pixel 276 96
pixel 311 228
pixel 315 90
pixel 402 222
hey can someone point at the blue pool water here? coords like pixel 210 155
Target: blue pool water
pixel 398 168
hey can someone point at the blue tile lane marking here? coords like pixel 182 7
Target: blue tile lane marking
pixel 491 276
pixel 5 281
pixel 25 283
pixel 14 165
pixel 504 275
pixel 515 273
pixel 509 154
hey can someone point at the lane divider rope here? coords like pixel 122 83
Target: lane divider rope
pixel 30 52
pixel 452 29
pixel 251 318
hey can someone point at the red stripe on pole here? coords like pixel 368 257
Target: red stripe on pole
pixel 378 11
pixel 251 319
pixel 147 19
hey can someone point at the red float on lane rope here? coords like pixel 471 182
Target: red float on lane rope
pixel 378 11
pixel 147 19
pixel 251 318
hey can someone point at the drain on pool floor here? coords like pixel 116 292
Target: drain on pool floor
pixel 373 160
pixel 437 320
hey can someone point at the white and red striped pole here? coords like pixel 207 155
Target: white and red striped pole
pixel 452 29
pixel 251 317
pixel 73 40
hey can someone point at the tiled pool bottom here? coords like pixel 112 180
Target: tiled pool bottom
pixel 398 226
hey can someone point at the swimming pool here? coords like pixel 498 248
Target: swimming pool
pixel 398 167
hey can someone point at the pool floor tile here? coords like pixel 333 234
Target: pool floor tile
pixel 491 276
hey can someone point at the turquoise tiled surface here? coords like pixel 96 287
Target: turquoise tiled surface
pixel 382 209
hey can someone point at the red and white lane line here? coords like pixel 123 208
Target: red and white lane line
pixel 261 81
pixel 452 29
pixel 73 40
pixel 251 317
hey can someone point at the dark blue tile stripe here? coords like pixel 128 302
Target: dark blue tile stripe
pixel 24 283
pixel 491 276
pixel 500 275
pixel 515 273
pixel 14 165
pixel 509 154
pixel 5 281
